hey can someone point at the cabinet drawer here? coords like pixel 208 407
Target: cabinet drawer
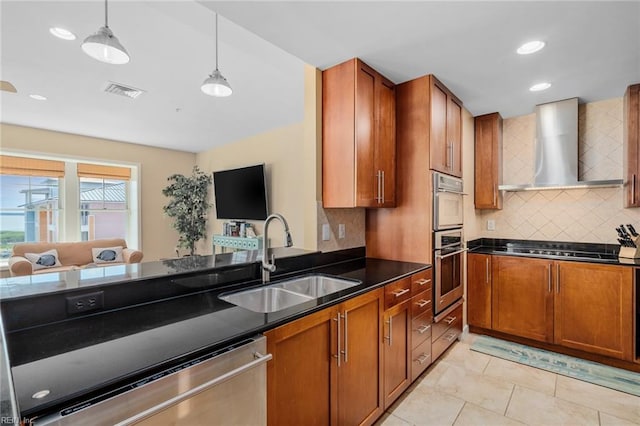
pixel 421 303
pixel 443 342
pixel 397 292
pixel 453 319
pixel 421 329
pixel 422 281
pixel 420 359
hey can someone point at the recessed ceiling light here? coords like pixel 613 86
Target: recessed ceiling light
pixel 540 86
pixel 62 33
pixel 38 97
pixel 530 47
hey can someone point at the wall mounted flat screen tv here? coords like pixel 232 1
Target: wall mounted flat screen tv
pixel 241 194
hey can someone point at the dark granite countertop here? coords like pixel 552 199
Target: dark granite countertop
pixel 577 252
pixel 78 358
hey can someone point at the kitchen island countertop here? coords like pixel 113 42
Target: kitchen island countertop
pixel 81 357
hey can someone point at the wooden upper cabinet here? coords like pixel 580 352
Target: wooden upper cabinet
pixel 594 308
pixel 358 137
pixel 488 161
pixel 522 297
pixel 631 144
pixel 445 130
pixel 479 290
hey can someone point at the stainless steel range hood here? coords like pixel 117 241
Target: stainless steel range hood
pixel 557 150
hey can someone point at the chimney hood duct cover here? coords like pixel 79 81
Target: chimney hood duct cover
pixel 556 149
pixel 557 143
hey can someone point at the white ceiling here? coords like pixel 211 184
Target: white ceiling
pixel 593 52
pixel 172 51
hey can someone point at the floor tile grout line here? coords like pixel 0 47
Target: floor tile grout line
pixel 459 412
pixel 506 408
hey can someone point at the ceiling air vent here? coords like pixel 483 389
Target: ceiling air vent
pixel 122 90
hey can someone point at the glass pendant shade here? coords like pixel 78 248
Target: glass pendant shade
pixel 216 85
pixel 105 47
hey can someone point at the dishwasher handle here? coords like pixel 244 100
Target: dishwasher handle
pixel 259 359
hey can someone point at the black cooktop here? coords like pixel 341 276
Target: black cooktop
pixel 562 253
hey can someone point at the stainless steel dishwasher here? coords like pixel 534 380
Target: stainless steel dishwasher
pixel 228 386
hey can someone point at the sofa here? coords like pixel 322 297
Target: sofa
pixel 39 258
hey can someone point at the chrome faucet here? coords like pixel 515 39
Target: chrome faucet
pixel 268 267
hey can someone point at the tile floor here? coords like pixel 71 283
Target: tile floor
pixel 470 388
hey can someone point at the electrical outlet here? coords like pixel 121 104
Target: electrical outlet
pixel 341 230
pixel 326 232
pixel 491 225
pixel 85 302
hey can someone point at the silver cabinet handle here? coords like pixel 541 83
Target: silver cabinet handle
pixel 382 197
pixel 423 358
pixel 378 186
pixel 259 359
pixel 449 320
pixel 423 282
pixel 345 352
pixel 424 329
pixel 390 336
pixel 550 266
pixel 400 292
pixel 438 256
pixel 422 303
pixel 337 318
pixel 487 268
pixel 558 278
pixel 451 337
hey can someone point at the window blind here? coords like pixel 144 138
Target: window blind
pixel 24 166
pixel 103 172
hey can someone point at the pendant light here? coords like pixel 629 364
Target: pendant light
pixel 216 84
pixel 104 46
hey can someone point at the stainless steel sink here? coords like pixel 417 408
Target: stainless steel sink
pixel 316 285
pixel 285 294
pixel 266 299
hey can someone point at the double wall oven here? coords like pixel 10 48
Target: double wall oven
pixel 448 241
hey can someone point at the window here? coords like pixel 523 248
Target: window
pixel 104 201
pixel 47 200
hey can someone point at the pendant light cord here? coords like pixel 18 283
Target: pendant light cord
pixel 106 14
pixel 216 40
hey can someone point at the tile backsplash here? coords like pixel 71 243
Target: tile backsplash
pixel 581 215
pixel 354 221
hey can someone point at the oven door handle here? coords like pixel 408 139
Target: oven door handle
pixel 450 254
pixel 450 192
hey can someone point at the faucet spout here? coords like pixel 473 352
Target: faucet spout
pixel 268 267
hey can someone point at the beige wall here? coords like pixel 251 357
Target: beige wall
pixel 583 215
pixel 158 237
pixel 282 152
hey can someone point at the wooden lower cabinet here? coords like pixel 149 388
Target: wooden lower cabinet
pixel 325 367
pixel 594 308
pixel 479 290
pixel 397 350
pixel 578 305
pixel 522 297
pixel 359 390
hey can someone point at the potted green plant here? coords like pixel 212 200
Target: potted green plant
pixel 188 206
